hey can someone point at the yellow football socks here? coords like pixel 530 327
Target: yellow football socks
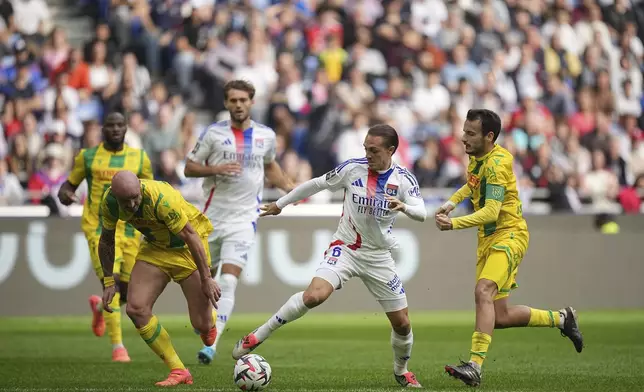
pixel 113 321
pixel 480 344
pixel 544 318
pixel 159 341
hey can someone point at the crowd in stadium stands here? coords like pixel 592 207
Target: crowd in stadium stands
pixel 565 75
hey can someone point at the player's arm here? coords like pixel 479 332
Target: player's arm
pixel 196 160
pixel 276 176
pixel 413 203
pixel 497 178
pixel 463 193
pixel 107 242
pixel 488 214
pixel 332 180
pixel 67 192
pixel 197 250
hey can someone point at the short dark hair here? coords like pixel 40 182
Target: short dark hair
pixel 239 84
pixel 387 132
pixel 490 121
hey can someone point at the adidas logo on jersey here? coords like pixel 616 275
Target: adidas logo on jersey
pixel 358 183
pixel 227 142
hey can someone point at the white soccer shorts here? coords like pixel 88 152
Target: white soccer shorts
pixel 231 244
pixel 376 269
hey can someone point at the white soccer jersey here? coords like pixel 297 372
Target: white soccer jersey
pixel 234 199
pixel 366 220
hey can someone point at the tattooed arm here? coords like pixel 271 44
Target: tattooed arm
pixel 106 249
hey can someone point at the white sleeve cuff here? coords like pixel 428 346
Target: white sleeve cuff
pixel 449 203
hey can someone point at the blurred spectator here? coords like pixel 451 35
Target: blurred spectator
pixel 34 140
pixel 600 184
pixel 30 15
pixel 432 99
pixel 21 162
pixel 103 34
pixel 165 133
pixel 92 135
pixel 44 184
pixel 168 168
pixel 349 143
pixel 56 51
pixel 583 121
pixel 11 192
pixel 101 74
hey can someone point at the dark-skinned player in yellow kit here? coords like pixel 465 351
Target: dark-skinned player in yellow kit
pixel 175 247
pixel 502 243
pixel 97 166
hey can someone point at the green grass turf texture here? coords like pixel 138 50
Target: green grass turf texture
pixel 330 352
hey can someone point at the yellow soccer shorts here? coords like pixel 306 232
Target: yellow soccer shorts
pixel 126 250
pixel 498 259
pixel 177 263
pixel 124 255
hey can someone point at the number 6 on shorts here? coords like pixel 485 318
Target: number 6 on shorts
pixel 332 258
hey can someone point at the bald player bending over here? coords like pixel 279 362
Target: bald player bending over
pixel 175 246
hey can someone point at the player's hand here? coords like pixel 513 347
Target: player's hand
pixel 108 296
pixel 443 222
pixel 227 169
pixel 395 204
pixel 270 209
pixel 445 209
pixel 67 197
pixel 212 290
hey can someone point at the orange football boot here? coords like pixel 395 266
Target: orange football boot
pixel 98 322
pixel 120 355
pixel 208 339
pixel 176 377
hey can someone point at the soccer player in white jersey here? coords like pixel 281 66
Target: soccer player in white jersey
pixel 376 190
pixel 233 156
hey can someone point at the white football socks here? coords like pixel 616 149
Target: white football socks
pixel 292 310
pixel 402 351
pixel 562 318
pixel 226 303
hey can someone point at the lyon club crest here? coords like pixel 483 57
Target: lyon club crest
pixel 391 190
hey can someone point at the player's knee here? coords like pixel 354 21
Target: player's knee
pixel 314 297
pixel 401 325
pixel 484 291
pixel 203 325
pixel 228 284
pixel 138 312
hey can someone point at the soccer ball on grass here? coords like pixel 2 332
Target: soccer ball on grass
pixel 252 373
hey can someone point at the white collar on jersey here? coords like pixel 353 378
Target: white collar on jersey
pixel 390 167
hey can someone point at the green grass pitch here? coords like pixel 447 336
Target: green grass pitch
pixel 325 352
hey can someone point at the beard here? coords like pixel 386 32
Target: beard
pixel 240 118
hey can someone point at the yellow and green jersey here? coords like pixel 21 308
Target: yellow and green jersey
pixel 98 165
pixel 163 213
pixel 491 179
